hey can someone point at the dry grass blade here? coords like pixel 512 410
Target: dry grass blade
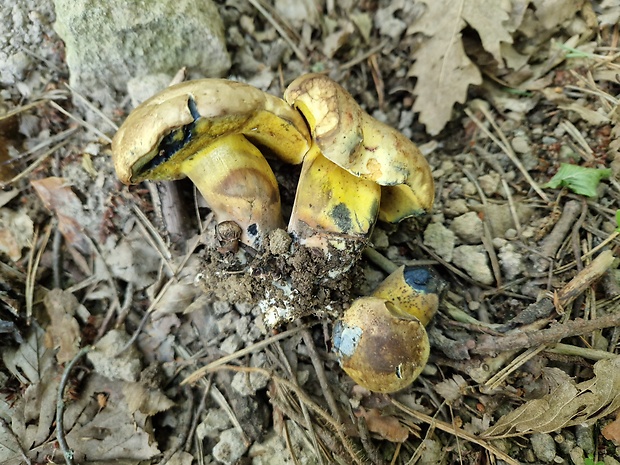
pixel 81 122
pixel 261 9
pixel 196 375
pixel 456 431
pixel 504 144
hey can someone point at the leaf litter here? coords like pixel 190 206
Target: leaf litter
pixel 536 66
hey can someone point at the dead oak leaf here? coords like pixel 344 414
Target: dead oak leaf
pixel 386 426
pixel 443 71
pixel 63 332
pixel 566 404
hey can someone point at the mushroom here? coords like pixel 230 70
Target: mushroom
pixel 211 130
pixel 368 149
pixel 380 340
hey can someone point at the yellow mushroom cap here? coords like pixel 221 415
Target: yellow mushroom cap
pixel 364 146
pixel 379 347
pixel 415 290
pixel 209 108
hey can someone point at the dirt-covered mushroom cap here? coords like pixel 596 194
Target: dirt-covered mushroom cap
pixel 380 347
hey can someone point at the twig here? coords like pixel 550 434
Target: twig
pixel 524 340
pixel 60 406
pixel 298 52
pixel 456 431
pixel 566 295
pixel 181 438
pixel 194 425
pixel 584 352
pixel 550 244
pixel 320 374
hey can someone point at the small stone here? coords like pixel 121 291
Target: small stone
pixel 520 144
pixel 279 242
pixel 455 207
pixel 543 446
pixel 474 261
pixel 469 188
pixel 585 438
pixel 468 228
pixel 510 234
pixel 215 421
pixel 440 239
pixel 576 455
pixel 230 448
pixel 231 344
pixel 511 262
pixel 489 183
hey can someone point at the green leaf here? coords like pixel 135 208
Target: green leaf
pixel 580 180
pixel 618 220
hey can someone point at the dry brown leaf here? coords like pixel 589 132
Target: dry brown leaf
pixel 145 400
pixel 386 426
pixel 63 332
pixel 566 403
pixel 57 196
pixel 16 231
pixel 490 23
pixel 443 70
pixel 552 13
pixel 611 432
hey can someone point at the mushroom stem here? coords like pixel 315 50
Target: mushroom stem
pixel 238 185
pixel 332 207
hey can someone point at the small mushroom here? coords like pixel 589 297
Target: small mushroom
pixel 209 130
pixel 380 340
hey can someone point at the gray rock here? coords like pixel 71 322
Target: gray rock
pixel 511 262
pixel 108 43
pixel 489 183
pixel 110 360
pixel 143 87
pixel 230 448
pixel 440 239
pixel 520 144
pixel 585 438
pixel 468 228
pixel 474 261
pixel 543 446
pixel 216 420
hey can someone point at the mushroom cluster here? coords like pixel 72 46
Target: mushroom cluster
pixel 381 340
pixel 220 133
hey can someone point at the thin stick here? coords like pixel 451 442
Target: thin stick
pixel 60 406
pixel 458 432
pixel 300 55
pixel 320 374
pixel 196 375
pixel 506 149
pixel 524 340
